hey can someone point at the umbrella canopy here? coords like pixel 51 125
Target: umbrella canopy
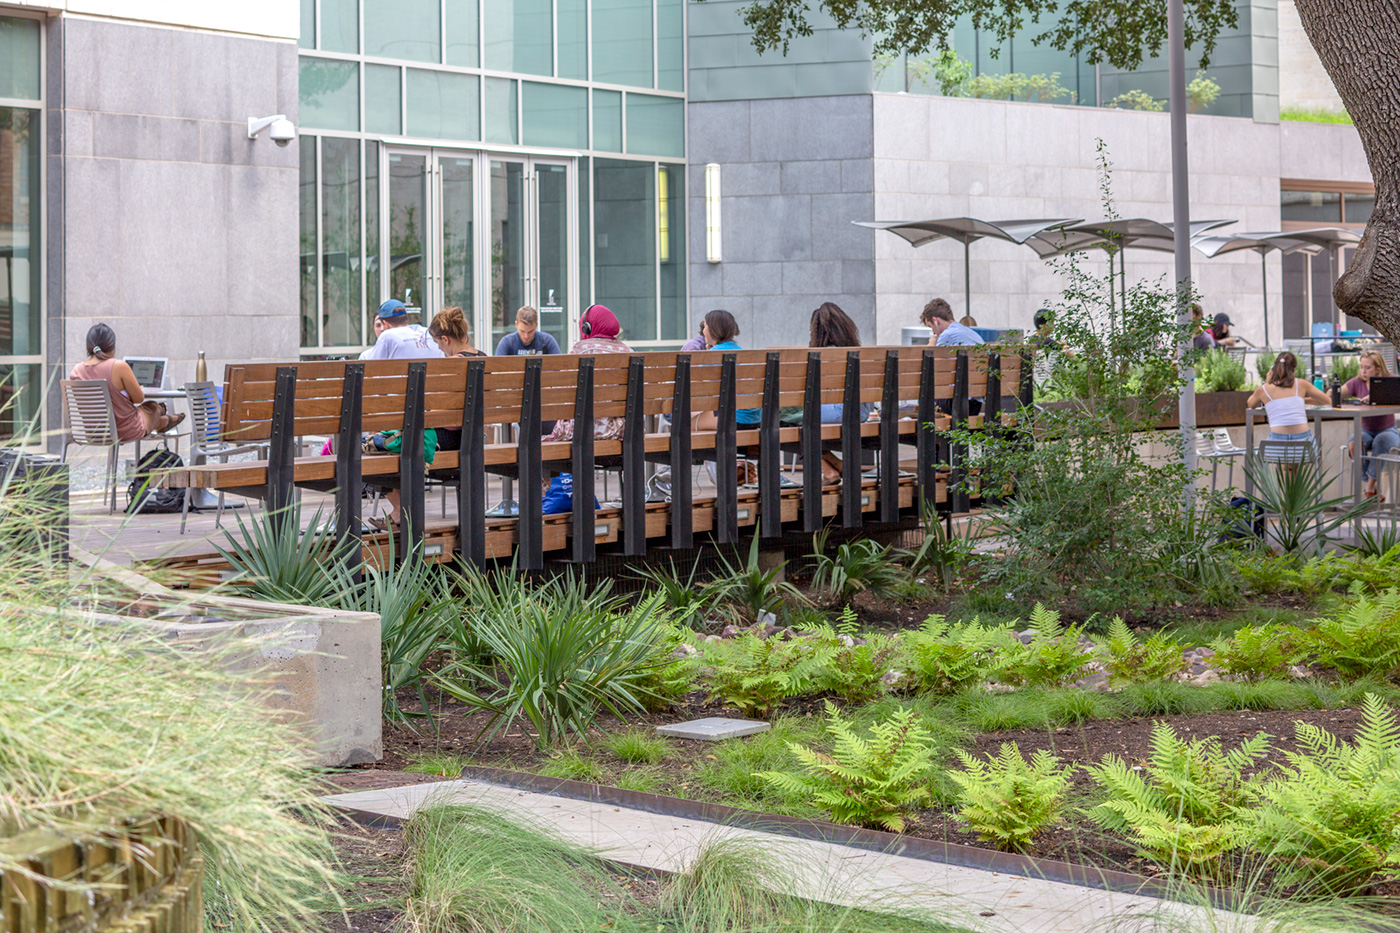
pixel 1261 243
pixel 1134 233
pixel 965 230
pixel 1331 239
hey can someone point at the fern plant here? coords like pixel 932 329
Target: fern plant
pixel 1258 653
pixel 1184 813
pixel 944 657
pixel 1333 814
pixel 864 781
pixel 857 566
pixel 756 674
pixel 1009 800
pixel 860 673
pixel 1130 660
pixel 1053 658
pixel 1364 640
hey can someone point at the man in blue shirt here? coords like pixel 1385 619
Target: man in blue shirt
pixel 938 316
pixel 528 339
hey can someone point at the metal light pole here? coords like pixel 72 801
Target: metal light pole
pixel 1181 224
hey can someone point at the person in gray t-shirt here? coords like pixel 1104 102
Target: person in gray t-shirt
pixel 528 339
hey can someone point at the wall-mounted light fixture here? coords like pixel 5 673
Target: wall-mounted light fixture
pixel 663 212
pixel 282 130
pixel 712 232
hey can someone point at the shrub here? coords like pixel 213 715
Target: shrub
pixel 1185 812
pixel 1364 640
pixel 637 746
pixel 558 654
pixel 945 657
pixel 857 566
pixel 1136 100
pixel 1130 660
pixel 756 674
pixel 1052 659
pixel 1257 653
pixel 1201 92
pixel 750 589
pixel 1216 371
pixel 1333 814
pixel 1038 88
pixel 690 602
pixel 1009 800
pixel 865 782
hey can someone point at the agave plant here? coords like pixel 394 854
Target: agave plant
pixel 276 561
pixel 1294 493
pixel 751 589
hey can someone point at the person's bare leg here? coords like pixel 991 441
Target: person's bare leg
pixel 705 421
pixel 831 467
pixel 392 497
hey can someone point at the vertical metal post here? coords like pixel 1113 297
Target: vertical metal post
pixel 471 488
pixel 991 412
pixel 634 492
pixel 957 450
pixel 682 493
pixel 412 512
pixel 281 451
pixel 889 440
pixel 1181 224
pixel 812 446
pixel 527 458
pixel 585 546
pixel 349 481
pixel 770 453
pixel 1264 277
pixel 851 478
pixel 926 440
pixel 726 456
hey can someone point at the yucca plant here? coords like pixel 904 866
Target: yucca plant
pixel 870 781
pixel 750 589
pixel 856 567
pixel 275 560
pixel 1380 541
pixel 1009 800
pixel 689 601
pixel 942 552
pixel 1293 494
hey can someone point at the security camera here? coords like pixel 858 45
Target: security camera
pixel 282 130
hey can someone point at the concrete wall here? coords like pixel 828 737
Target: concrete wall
pixel 795 174
pixel 940 157
pixel 1302 81
pixel 166 221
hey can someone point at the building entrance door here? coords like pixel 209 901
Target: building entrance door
pixel 531 243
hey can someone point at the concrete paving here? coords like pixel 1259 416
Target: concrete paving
pixel 973 898
pixel 713 729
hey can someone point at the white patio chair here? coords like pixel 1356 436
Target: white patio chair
pixel 206 440
pixel 89 421
pixel 1215 445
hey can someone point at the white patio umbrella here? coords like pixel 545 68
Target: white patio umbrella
pixel 1261 243
pixel 1332 239
pixel 966 230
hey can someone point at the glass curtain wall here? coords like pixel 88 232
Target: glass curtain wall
pixel 598 82
pixel 21 235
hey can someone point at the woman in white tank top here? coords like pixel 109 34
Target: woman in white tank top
pixel 1285 399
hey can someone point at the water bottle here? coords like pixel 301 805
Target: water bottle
pixel 1336 392
pixel 201 369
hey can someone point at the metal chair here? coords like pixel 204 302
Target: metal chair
pixel 1215 445
pixel 90 421
pixel 206 441
pixel 1303 449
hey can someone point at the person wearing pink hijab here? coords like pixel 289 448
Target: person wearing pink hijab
pixel 598 330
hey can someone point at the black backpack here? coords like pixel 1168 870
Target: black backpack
pixel 1245 521
pixel 142 497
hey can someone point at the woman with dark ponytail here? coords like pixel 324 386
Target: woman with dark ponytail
pixel 135 415
pixel 1285 398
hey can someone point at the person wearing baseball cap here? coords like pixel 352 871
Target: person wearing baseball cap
pixel 1220 331
pixel 398 339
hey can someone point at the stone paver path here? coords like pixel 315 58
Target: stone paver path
pixel 977 899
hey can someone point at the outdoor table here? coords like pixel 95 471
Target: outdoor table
pixel 1318 415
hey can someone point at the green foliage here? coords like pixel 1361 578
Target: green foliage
pixel 731 772
pixel 857 566
pixel 1364 639
pixel 1292 494
pixel 1379 541
pixel 1266 574
pixel 570 764
pixel 1345 369
pixel 859 673
pixel 690 602
pixel 637 746
pixel 749 589
pixel 1052 659
pixel 942 553
pixel 1201 92
pixel 864 781
pixel 1258 653
pixel 274 560
pixel 945 657
pixel 1185 811
pixel 1009 800
pixel 1137 100
pixel 1265 362
pixel 443 765
pixel 1216 371
pixel 1314 115
pixel 557 654
pixel 1333 813
pixel 1037 88
pixel 1129 659
pixel 943 73
pixel 755 674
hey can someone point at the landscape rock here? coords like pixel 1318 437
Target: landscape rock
pixel 1209 677
pixel 731 631
pixel 1027 636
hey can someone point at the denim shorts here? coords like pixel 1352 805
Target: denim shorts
pixel 1306 444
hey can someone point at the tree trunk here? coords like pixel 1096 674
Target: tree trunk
pixel 1358 45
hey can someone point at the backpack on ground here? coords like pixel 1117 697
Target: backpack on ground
pixel 145 497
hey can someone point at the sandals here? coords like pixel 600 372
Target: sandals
pixel 382 524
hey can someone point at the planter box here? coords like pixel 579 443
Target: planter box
pixel 1213 410
pixel 325 663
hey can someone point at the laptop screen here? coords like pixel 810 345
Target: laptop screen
pixel 149 371
pixel 1385 390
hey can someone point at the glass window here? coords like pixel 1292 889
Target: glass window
pixel 307 39
pixel 463 33
pixel 383 100
pixel 443 105
pixel 341 301
pixel 340 25
pixel 19 58
pixel 622 42
pixel 21 391
pixel 1323 207
pixel 585 233
pixel 624 244
pixel 670 213
pixel 21 322
pixel 502 126
pixel 1359 207
pixel 330 95
pixel 408 229
pixel 607 121
pixel 655 125
pixel 310 333
pixel 519 36
pixel 670 45
pixel 372 298
pixel 410 29
pixel 556 115
pixel 458 213
pixel 572 32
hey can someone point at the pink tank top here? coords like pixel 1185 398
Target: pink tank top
pixel 130 423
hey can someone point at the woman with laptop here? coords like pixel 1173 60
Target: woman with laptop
pixel 135 415
pixel 1378 433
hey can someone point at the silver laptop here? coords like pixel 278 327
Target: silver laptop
pixel 149 370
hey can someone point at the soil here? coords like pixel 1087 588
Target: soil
pixel 374 896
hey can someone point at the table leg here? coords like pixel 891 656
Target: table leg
pixel 1248 450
